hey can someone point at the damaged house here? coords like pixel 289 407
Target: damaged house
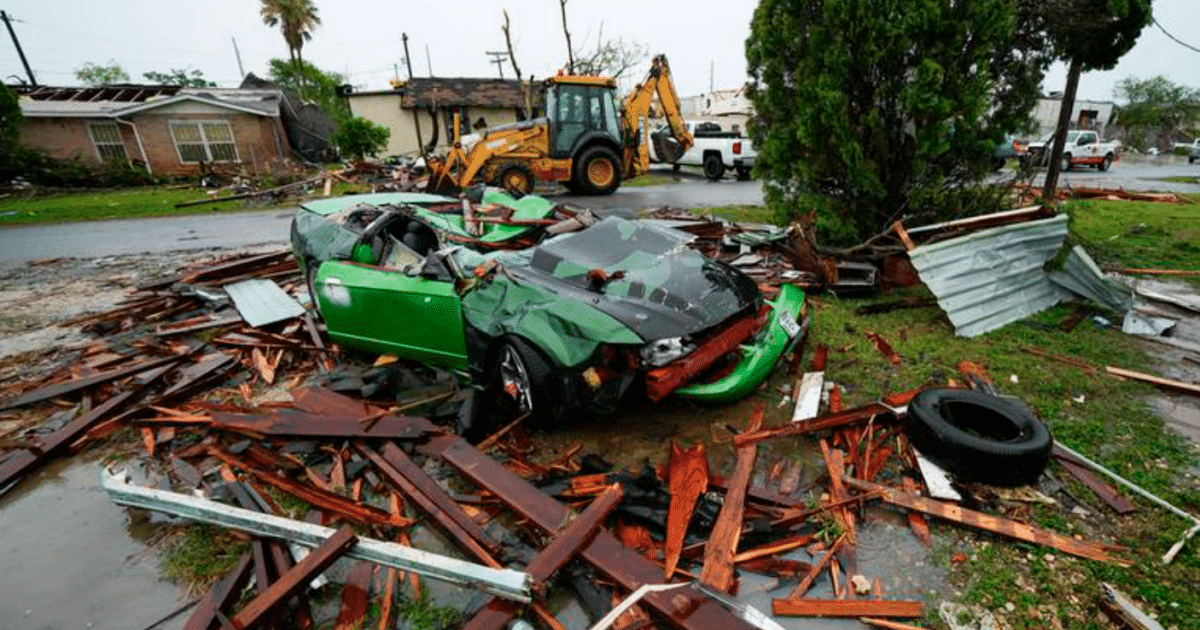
pixel 167 129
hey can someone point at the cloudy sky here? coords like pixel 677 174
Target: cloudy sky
pixel 362 39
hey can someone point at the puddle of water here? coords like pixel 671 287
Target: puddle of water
pixel 73 559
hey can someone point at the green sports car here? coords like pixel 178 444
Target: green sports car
pixel 549 309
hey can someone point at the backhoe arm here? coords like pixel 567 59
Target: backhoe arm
pixel 636 109
pixel 460 167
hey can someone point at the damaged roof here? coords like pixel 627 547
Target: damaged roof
pixel 464 92
pixel 120 100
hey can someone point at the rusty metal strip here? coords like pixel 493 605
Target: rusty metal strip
pixel 428 496
pixel 847 608
pixel 1080 471
pixel 355 595
pixel 496 614
pixel 688 472
pixel 297 578
pixel 685 609
pixel 830 421
pixel 727 531
pixel 60 389
pixel 660 382
pixel 221 596
pixel 25 460
pixel 994 524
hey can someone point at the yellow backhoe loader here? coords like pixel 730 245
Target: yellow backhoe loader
pixel 584 141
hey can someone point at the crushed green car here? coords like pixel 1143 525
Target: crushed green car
pixel 548 319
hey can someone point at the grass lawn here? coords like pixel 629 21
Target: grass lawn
pixel 1103 418
pixel 128 203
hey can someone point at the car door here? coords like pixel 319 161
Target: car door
pixel 393 311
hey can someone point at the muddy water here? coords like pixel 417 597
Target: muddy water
pixel 71 559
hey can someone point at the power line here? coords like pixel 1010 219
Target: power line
pixel 1173 38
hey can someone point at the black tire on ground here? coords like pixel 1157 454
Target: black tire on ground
pixel 310 280
pixel 675 167
pixel 1066 165
pixel 1104 165
pixel 597 171
pixel 714 168
pixel 979 437
pixel 521 381
pixel 743 173
pixel 516 179
pixel 1191 159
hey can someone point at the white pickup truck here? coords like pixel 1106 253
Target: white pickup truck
pixel 715 149
pixel 1083 146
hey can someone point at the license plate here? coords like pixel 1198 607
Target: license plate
pixel 789 324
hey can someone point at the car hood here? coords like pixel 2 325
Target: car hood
pixel 656 285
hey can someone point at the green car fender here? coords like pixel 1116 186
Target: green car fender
pixel 758 358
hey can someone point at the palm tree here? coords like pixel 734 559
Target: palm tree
pixel 296 19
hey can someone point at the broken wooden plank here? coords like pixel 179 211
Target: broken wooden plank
pixel 196 324
pixel 1084 475
pixel 355 596
pixel 684 609
pixel 297 578
pixel 815 570
pixel 916 520
pixel 829 421
pixel 847 608
pixel 726 532
pixel 772 548
pixel 496 614
pixel 994 524
pixel 902 233
pixel 1157 381
pixel 297 423
pixel 220 596
pixel 688 477
pixel 889 625
pixel 884 347
pixel 61 389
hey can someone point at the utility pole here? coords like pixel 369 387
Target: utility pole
pixel 17 44
pixel 429 61
pixel 712 64
pixel 498 58
pixel 238 55
pixel 407 57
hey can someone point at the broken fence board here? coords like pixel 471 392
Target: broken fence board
pixel 990 523
pixel 496 614
pixel 296 578
pixel 688 479
pixel 684 609
pixel 726 532
pixel 847 608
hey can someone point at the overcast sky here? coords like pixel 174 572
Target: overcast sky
pixel 362 39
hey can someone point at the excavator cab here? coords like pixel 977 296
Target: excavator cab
pixel 581 110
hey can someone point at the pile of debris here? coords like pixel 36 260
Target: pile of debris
pixel 1028 193
pixel 399 176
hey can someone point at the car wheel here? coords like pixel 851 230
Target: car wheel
pixel 979 437
pixel 714 169
pixel 521 377
pixel 517 180
pixel 1066 165
pixel 310 280
pixel 598 171
pixel 1106 164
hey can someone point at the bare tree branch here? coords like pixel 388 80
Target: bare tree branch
pixel 570 52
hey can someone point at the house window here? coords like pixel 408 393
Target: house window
pixel 464 122
pixel 107 139
pixel 204 141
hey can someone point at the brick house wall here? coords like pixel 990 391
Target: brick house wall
pixel 68 137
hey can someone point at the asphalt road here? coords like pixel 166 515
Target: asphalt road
pixel 96 239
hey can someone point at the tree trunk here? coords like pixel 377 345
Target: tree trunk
pixel 300 72
pixel 512 58
pixel 1060 133
pixel 570 54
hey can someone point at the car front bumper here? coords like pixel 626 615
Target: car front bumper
pixel 758 356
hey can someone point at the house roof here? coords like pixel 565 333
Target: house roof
pixel 464 92
pixel 120 100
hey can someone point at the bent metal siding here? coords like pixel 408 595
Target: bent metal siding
pixel 992 277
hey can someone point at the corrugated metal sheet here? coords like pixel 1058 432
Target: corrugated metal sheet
pixel 992 277
pixel 261 302
pixel 1080 275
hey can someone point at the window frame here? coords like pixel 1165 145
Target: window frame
pixel 96 144
pixel 205 142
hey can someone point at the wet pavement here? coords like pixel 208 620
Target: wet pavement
pixel 72 559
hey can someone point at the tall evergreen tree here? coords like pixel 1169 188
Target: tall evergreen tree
pixel 867 110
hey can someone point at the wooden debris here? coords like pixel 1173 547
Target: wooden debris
pixel 61 389
pixel 829 421
pixel 220 596
pixel 816 569
pixel 688 472
pixel 726 532
pixel 1157 381
pixel 355 597
pixel 889 625
pixel 773 548
pixel 916 520
pixel 295 579
pixel 994 524
pixel 1081 472
pixel 884 347
pixel 847 608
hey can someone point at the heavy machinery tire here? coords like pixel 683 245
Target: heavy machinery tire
pixel 597 171
pixel 714 168
pixel 1104 166
pixel 1066 165
pixel 516 179
pixel 979 437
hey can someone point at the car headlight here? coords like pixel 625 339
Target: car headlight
pixel 663 351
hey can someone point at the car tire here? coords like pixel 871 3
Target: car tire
pixel 310 281
pixel 521 376
pixel 1066 164
pixel 1106 163
pixel 714 168
pixel 597 171
pixel 979 437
